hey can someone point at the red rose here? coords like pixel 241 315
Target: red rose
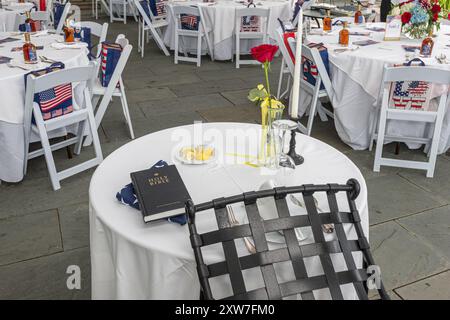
pixel 264 53
pixel 436 8
pixel 435 17
pixel 448 17
pixel 406 16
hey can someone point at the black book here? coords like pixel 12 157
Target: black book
pixel 160 191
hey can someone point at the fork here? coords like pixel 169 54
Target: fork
pixel 45 59
pixel 16 66
pixel 327 228
pixel 233 221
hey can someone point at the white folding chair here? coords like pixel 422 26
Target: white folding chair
pixel 83 117
pixel 257 31
pixel 62 20
pixel 98 30
pixel 287 64
pixel 124 4
pixel 188 12
pixel 42 16
pixel 432 117
pixel 95 5
pixel 112 90
pixel 151 23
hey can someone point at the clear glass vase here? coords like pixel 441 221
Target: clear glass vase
pixel 267 156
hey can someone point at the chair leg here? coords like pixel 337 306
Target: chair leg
pixel 176 48
pixel 124 12
pixel 80 135
pixel 48 156
pixel 238 52
pixel 380 141
pixel 374 130
pixel 142 40
pixel 126 110
pixel 199 49
pixel 69 152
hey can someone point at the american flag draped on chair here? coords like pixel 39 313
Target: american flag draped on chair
pixel 251 24
pixel 110 56
pixel 158 7
pixel 310 72
pixel 56 101
pixel 189 22
pixel 410 95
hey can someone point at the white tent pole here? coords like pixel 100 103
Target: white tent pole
pixel 297 68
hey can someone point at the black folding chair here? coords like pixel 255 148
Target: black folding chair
pixel 264 258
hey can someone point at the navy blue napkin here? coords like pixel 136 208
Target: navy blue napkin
pixel 128 197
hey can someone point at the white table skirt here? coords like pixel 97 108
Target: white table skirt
pixel 134 260
pixel 12 91
pixel 356 77
pixel 220 18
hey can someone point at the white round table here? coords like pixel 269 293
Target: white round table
pixel 220 17
pixel 12 91
pixel 134 260
pixel 356 77
pixel 8 14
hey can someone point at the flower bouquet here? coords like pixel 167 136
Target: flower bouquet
pixel 271 107
pixel 419 17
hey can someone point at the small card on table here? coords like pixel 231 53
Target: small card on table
pixel 393 28
pixel 364 43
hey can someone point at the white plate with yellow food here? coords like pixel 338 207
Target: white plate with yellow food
pixel 201 154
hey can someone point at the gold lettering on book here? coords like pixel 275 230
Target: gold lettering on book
pixel 157 179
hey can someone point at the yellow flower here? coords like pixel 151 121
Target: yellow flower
pixel 260 86
pixel 274 103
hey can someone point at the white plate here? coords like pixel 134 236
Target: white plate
pixel 180 158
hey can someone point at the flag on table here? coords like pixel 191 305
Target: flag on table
pixel 189 22
pixel 251 24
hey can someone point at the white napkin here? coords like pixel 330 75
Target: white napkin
pixel 74 45
pixel 19 63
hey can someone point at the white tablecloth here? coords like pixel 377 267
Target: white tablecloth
pixel 220 18
pixel 134 260
pixel 12 91
pixel 8 14
pixel 356 77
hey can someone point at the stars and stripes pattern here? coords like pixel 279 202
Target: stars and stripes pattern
pixel 161 7
pixel 110 56
pixel 411 95
pixel 56 101
pixel 189 22
pixel 251 24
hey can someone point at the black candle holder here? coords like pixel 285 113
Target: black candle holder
pixel 298 159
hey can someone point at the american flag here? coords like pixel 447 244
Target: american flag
pixel 250 24
pixel 161 7
pixel 309 69
pixel 415 94
pixel 189 22
pixel 56 101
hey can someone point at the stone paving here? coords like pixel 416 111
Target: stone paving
pixel 42 231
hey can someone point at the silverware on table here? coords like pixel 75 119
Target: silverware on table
pixel 47 60
pixel 233 221
pixel 16 66
pixel 327 228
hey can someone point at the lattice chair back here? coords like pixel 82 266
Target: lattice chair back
pixel 265 258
